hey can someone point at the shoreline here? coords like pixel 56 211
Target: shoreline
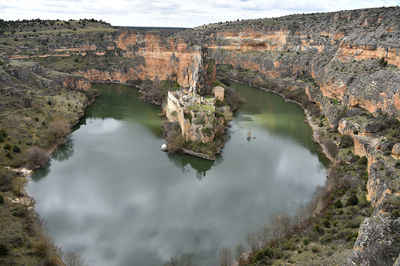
pixel 315 136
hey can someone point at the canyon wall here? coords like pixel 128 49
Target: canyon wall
pixel 346 63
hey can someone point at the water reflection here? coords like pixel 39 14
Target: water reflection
pixel 118 200
pixel 186 162
pixel 64 151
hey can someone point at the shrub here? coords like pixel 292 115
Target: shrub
pixel 58 129
pixel 318 229
pixel 36 157
pixel 8 155
pixel 306 241
pixel 206 131
pixel 16 149
pixel 3 250
pixel 315 249
pixel 20 211
pixel 3 132
pixel 363 161
pixel 353 200
pixel 331 147
pixel 338 204
pixel 7 146
pixel 346 141
pixel 383 62
pixel 264 256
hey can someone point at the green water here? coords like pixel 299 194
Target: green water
pixel 111 196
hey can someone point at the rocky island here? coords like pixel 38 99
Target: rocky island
pixel 201 121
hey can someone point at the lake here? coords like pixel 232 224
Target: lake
pixel 113 197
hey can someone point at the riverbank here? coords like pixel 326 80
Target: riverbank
pixel 319 218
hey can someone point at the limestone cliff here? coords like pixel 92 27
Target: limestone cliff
pixel 343 62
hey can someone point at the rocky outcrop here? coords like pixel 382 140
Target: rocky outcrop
pixel 396 151
pixel 202 120
pixel 377 243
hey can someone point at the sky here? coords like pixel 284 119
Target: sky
pixel 173 13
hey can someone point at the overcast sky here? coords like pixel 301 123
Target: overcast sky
pixel 173 13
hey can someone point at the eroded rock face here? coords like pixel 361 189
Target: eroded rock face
pixel 396 151
pixel 377 243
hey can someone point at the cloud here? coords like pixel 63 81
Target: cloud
pixel 173 13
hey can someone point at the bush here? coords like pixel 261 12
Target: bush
pixel 3 133
pixel 331 147
pixel 383 62
pixel 264 256
pixel 363 161
pixel 346 141
pixel 3 250
pixel 16 149
pixel 20 211
pixel 36 157
pixel 7 146
pixel 338 204
pixel 353 200
pixel 315 249
pixel 58 129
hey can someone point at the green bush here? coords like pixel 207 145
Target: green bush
pixel 331 147
pixel 353 200
pixel 20 211
pixel 306 241
pixel 318 229
pixel 264 256
pixel 315 249
pixel 16 149
pixel 346 141
pixel 7 146
pixel 3 250
pixel 362 162
pixel 338 204
pixel 206 131
pixel 383 62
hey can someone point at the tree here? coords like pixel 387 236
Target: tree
pixel 58 129
pixel 225 257
pixel 280 225
pixel 173 136
pixel 36 157
pixel 239 251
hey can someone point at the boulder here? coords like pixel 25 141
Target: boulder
pixel 164 147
